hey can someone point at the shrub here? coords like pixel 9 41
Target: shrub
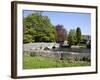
pixel 77 59
pixel 32 54
pixel 86 59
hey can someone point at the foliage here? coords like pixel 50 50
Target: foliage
pixel 27 38
pixel 33 54
pixel 88 44
pixel 39 28
pixel 83 37
pixel 71 37
pixel 78 35
pixel 61 33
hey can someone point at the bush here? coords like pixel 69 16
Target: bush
pixel 85 59
pixel 88 44
pixel 32 54
pixel 77 59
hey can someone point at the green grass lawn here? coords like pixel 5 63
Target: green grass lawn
pixel 40 62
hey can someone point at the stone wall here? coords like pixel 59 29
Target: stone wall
pixel 60 55
pixel 37 49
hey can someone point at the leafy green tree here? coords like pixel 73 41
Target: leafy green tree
pixel 71 37
pixel 78 35
pixel 39 28
pixel 27 38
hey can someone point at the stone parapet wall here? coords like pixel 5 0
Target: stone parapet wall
pixel 60 55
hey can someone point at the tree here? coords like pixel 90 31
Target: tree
pixel 71 37
pixel 78 35
pixel 27 38
pixel 39 27
pixel 61 33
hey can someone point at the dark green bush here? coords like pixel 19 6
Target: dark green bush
pixel 86 59
pixel 32 54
